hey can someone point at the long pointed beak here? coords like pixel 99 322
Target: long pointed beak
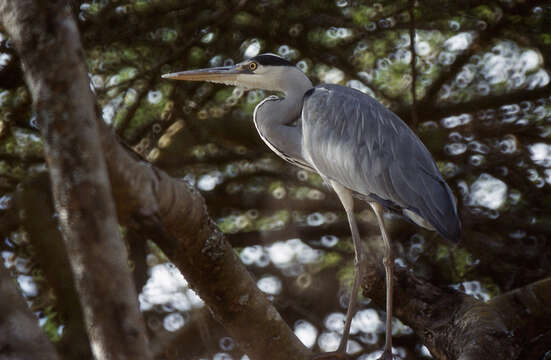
pixel 218 74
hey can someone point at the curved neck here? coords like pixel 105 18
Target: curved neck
pixel 293 83
pixel 273 117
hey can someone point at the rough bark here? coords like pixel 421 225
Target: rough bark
pixel 20 336
pixel 174 215
pixel 457 326
pixel 47 40
pixel 34 200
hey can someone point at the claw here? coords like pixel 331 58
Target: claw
pixel 386 355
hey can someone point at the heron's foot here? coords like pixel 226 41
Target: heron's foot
pixel 386 355
pixel 334 355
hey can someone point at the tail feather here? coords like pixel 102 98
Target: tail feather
pixel 442 214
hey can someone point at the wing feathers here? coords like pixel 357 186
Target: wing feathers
pixel 354 140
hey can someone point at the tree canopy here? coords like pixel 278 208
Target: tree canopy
pixel 471 78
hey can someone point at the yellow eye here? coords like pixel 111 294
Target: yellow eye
pixel 253 66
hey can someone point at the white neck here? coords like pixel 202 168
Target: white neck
pixel 293 81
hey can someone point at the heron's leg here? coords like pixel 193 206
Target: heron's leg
pixel 347 201
pixel 388 262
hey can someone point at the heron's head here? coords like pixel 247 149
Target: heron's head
pixel 265 71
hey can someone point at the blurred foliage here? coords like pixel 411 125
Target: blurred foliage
pixel 483 104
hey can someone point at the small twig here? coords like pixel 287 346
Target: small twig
pixel 413 63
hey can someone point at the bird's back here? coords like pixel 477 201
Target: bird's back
pixel 351 138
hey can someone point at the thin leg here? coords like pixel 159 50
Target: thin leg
pixel 388 262
pixel 345 197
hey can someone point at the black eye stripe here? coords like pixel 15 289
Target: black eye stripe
pixel 269 59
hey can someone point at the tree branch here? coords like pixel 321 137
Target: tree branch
pixel 447 321
pixel 20 336
pixel 34 198
pixel 175 216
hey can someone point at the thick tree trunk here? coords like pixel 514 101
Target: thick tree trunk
pixel 46 37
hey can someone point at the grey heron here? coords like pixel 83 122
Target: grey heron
pixel 358 146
